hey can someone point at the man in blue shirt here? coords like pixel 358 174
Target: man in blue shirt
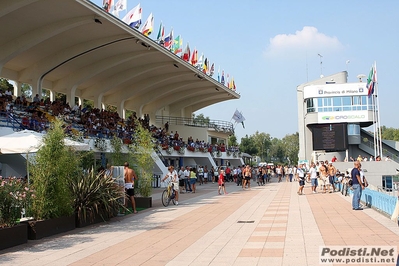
pixel 357 186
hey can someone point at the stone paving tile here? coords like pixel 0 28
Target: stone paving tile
pixel 288 230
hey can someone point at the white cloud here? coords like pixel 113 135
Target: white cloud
pixel 307 40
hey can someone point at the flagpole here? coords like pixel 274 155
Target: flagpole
pixel 378 104
pixel 374 125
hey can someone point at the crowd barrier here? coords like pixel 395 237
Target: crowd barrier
pixel 378 200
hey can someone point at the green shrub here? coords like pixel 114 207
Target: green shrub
pixel 51 170
pixel 95 194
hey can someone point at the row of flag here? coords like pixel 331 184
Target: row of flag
pixel 175 45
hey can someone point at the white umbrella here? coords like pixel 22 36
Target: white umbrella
pixel 28 141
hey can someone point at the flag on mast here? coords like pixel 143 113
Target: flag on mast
pixel 222 81
pixel 119 6
pixel 371 80
pixel 212 70
pixel 194 57
pixel 186 54
pixel 238 117
pixel 148 25
pixel 177 45
pixel 169 41
pixel 219 74
pixel 161 34
pixel 133 17
pixel 107 4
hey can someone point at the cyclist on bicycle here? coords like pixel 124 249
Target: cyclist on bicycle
pixel 173 178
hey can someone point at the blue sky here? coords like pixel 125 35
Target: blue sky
pixel 271 47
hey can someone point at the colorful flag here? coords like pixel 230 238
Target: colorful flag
pixel 161 34
pixel 371 81
pixel 133 17
pixel 227 81
pixel 219 74
pixel 177 45
pixel 194 57
pixel 200 62
pixel 148 25
pixel 222 81
pixel 212 70
pixel 233 84
pixel 119 6
pixel 205 66
pixel 169 41
pixel 186 54
pixel 107 4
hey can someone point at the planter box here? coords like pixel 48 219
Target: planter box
pixel 39 229
pixel 97 219
pixel 143 202
pixel 13 236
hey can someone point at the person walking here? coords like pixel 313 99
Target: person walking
pixel 193 179
pixel 187 179
pixel 221 183
pixel 301 177
pixel 130 178
pixel 247 173
pixel 313 177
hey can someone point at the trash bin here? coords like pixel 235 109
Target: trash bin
pixel 156 181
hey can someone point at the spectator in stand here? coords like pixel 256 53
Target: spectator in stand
pixel 371 158
pixel 334 159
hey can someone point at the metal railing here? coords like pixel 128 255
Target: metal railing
pixel 370 143
pixel 217 125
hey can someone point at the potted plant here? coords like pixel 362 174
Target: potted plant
pixel 14 197
pixel 143 159
pixel 95 197
pixel 52 168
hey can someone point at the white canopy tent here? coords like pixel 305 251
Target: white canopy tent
pixel 27 141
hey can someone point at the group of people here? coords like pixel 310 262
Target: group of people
pixel 325 176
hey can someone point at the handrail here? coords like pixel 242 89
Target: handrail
pixel 217 125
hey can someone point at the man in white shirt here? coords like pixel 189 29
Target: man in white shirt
pixel 313 177
pixel 301 177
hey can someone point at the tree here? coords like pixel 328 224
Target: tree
pixel 200 119
pixel 5 84
pixel 290 144
pixel 389 133
pixel 232 141
pixel 247 145
pixel 52 169
pixel 143 150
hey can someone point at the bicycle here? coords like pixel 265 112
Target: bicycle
pixel 168 195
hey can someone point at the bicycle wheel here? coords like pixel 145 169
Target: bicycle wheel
pixel 165 198
pixel 173 199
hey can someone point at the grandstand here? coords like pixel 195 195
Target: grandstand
pixel 77 49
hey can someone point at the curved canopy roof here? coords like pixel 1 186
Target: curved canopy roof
pixel 76 48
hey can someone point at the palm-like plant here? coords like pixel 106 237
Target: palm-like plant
pixel 95 194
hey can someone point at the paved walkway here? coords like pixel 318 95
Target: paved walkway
pixel 268 225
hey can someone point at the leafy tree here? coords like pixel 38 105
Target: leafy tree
pixel 389 133
pixel 117 158
pixel 5 85
pixel 26 90
pixel 248 145
pixel 200 119
pixel 232 141
pixel 291 147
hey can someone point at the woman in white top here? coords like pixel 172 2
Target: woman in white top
pixel 172 177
